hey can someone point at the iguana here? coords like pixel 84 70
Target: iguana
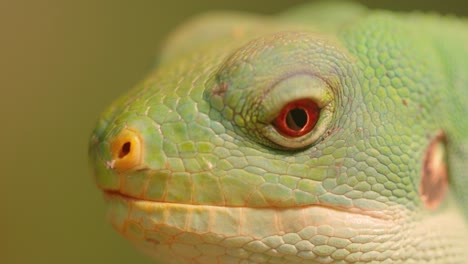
pixel 329 133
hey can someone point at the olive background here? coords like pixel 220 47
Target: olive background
pixel 61 63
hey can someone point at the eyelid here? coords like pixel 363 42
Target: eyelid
pixel 301 86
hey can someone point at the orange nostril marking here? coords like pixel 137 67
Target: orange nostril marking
pixel 126 150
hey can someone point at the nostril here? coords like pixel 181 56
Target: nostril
pixel 126 148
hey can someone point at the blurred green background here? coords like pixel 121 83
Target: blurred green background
pixel 61 63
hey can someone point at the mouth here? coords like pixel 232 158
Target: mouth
pixel 350 214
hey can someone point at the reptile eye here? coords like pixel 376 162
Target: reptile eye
pixel 297 118
pixel 296 112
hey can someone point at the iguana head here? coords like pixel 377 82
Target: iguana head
pixel 263 141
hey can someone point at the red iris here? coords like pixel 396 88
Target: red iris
pixel 297 118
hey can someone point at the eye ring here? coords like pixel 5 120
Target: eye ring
pixel 297 118
pixel 297 112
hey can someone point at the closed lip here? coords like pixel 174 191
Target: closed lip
pixel 378 215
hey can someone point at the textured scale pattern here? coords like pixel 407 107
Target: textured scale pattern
pixel 214 182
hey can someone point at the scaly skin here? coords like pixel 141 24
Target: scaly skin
pixel 196 170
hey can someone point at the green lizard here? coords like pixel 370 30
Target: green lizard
pixel 326 134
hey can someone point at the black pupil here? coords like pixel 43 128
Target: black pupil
pixel 296 119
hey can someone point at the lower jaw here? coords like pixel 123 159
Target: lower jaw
pixel 182 233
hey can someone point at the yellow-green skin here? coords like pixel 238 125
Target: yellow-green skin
pixel 217 183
